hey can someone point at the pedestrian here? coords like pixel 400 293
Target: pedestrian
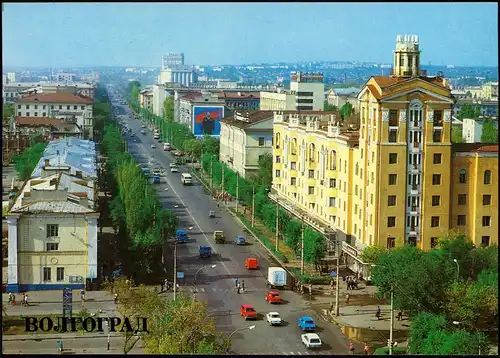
pixel 166 285
pixel 243 285
pixel 347 297
pixel 310 290
pixel 116 298
pixel 60 347
pixel 109 343
pixel 13 300
pixel 238 288
pixel 10 298
pixel 351 347
pixel 400 315
pixel 331 307
pixel 236 282
pixel 366 349
pixel 82 294
pixel 377 313
pixel 26 300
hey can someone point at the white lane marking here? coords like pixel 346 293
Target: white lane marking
pixel 196 223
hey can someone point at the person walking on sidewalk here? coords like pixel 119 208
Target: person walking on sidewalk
pixel 82 295
pixel 243 285
pixel 351 347
pixel 25 297
pixel 366 349
pixel 347 297
pixel 10 298
pixel 400 315
pixel 377 313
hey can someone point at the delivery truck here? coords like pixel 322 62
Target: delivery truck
pixel 276 277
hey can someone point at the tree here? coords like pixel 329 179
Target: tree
pixel 346 110
pixel 371 254
pixel 490 132
pixel 26 162
pixel 168 109
pixel 456 135
pixel 328 107
pixel 193 147
pixel 8 110
pixel 469 111
pixel 265 173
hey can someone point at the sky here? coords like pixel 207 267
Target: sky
pixel 138 34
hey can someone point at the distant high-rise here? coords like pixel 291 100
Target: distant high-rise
pixel 172 60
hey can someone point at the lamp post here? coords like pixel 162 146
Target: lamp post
pixel 201 268
pixel 458 269
pixel 457 323
pixel 391 328
pixel 239 330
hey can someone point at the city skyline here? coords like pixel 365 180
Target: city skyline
pixel 92 35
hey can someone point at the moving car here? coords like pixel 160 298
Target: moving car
pixel 143 125
pixel 306 323
pixel 143 132
pixel 273 297
pixel 156 178
pixel 166 147
pixel 311 340
pixel 153 146
pixel 248 312
pixel 219 237
pixel 251 263
pixel 205 251
pixel 181 236
pixel 186 179
pixel 273 318
pixel 239 240
pixel 174 169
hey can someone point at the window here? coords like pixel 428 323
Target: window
pixel 277 173
pixel 47 274
pixel 462 176
pixel 44 106
pixel 333 183
pixel 18 106
pixel 82 108
pixel 357 169
pixel 27 114
pixel 486 199
pixel 391 242
pixel 27 106
pixel 260 158
pixel 393 158
pixel 68 107
pixel 75 107
pixel 356 189
pixel 438 118
pixel 52 230
pixel 278 159
pixel 437 158
pixel 485 241
pixel 436 200
pixel 391 221
pixel 487 177
pixel 392 179
pixel 60 107
pixel 60 274
pixel 461 220
pixel 436 179
pixel 36 114
pixel 462 199
pixel 311 173
pixel 261 141
pixel 412 241
pixel 434 221
pixel 44 114
pixel 486 220
pixel 293 181
pixel 19 114
pixel 51 246
pixel 391 200
pixel 51 106
pixel 293 165
pixel 331 202
pixel 393 118
pixel 436 136
pixel 434 241
pixel 310 190
pixel 393 136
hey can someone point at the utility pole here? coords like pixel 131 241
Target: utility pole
pixel 392 320
pixel 237 190
pixel 222 181
pixel 211 173
pixel 302 250
pixel 253 206
pixel 337 288
pixel 277 222
pixel 175 271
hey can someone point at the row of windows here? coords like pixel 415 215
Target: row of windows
pixel 47 274
pixel 51 107
pixel 435 221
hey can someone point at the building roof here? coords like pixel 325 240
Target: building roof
pixel 347 91
pixel 78 154
pixel 386 81
pixel 239 95
pixel 251 117
pixel 57 98
pixel 38 121
pixel 475 147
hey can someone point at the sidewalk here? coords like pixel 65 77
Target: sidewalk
pixel 44 336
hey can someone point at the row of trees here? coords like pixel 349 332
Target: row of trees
pixel 183 326
pixel 135 210
pixel 26 161
pixel 450 292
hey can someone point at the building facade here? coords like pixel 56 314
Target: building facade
pixel 159 96
pixel 390 179
pixel 472 129
pixel 72 108
pixel 486 107
pixel 172 60
pixel 340 96
pixel 240 101
pixel 13 91
pixel 183 75
pixel 191 100
pixel 244 138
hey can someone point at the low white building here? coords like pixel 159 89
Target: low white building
pixel 472 129
pixel 244 138
pixel 64 77
pixel 13 91
pixel 73 108
pixel 340 96
pixel 184 75
pixel 159 96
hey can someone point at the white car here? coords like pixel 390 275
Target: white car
pixel 153 146
pixel 173 165
pixel 311 340
pixel 273 318
pixel 174 169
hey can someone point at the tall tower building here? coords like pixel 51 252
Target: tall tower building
pixel 406 56
pixel 172 60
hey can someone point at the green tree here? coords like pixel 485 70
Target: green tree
pixel 265 173
pixel 193 147
pixel 168 109
pixel 8 110
pixel 456 135
pixel 469 111
pixel 490 132
pixel 26 162
pixel 346 110
pixel 328 107
pixel 211 145
pixel 371 254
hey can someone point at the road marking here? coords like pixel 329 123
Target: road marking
pixel 196 222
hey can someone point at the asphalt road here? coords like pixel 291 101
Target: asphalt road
pixel 216 285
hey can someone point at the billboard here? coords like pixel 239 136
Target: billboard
pixel 206 120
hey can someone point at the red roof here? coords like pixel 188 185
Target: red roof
pixel 62 97
pixel 475 147
pixel 38 121
pixel 239 95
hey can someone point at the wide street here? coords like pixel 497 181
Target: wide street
pixel 216 285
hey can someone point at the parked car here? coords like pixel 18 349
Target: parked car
pixel 311 340
pixel 273 318
pixel 248 312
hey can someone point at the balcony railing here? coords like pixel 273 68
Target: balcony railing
pixel 413 208
pixel 416 144
pixel 414 187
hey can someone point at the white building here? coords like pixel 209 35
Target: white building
pixel 64 77
pixel 172 60
pixel 13 91
pixel 340 96
pixel 183 75
pixel 472 129
pixel 306 94
pixel 73 108
pixel 189 101
pixel 11 77
pixel 159 96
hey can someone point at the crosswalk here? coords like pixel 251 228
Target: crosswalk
pixel 218 289
pixel 304 353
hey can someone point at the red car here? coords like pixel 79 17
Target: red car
pixel 248 312
pixel 273 297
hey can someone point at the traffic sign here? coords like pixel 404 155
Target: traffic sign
pixel 180 274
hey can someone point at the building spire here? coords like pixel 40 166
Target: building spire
pixel 406 57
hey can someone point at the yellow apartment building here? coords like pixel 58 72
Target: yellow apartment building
pixel 391 178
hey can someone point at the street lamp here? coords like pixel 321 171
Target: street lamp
pixel 391 329
pixel 240 329
pixel 458 269
pixel 457 323
pixel 201 268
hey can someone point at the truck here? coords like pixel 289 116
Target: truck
pixel 276 277
pixel 205 251
pixel 219 237
pixel 306 323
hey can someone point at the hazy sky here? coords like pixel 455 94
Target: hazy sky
pixel 138 34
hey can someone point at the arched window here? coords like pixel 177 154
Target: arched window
pixel 312 152
pixel 333 160
pixel 294 146
pixel 462 176
pixel 487 177
pixel 277 140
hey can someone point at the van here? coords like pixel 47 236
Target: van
pixel 166 146
pixel 156 136
pixel 186 179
